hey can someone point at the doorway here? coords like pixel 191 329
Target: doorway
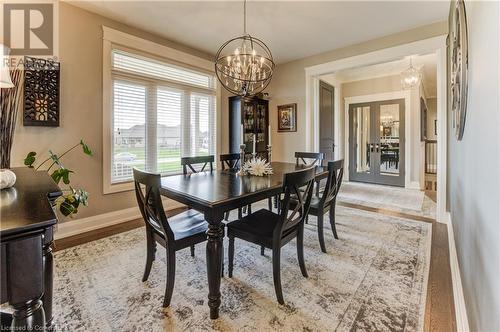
pixel 377 142
pixel 327 120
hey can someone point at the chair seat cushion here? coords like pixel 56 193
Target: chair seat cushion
pixel 187 224
pixel 315 203
pixel 260 223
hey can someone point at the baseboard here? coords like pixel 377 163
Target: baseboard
pixel 458 293
pixel 78 226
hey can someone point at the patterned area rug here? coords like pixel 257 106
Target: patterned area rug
pixel 373 278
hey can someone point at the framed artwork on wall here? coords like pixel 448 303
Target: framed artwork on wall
pixel 458 58
pixel 423 120
pixel 287 118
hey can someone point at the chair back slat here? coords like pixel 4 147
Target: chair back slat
pixel 230 161
pixel 298 185
pixel 333 182
pixel 147 191
pixel 317 158
pixel 189 162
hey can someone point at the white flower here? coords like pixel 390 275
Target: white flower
pixel 257 167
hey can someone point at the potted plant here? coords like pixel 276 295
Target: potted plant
pixel 71 199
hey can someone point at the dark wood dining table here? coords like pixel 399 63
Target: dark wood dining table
pixel 214 193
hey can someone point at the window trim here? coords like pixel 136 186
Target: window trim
pixel 116 39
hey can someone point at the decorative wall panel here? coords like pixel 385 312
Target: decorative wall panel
pixel 41 92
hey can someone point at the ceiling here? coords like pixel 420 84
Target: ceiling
pixel 292 30
pixel 425 63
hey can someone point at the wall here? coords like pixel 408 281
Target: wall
pixel 473 172
pixel 80 53
pixel 288 84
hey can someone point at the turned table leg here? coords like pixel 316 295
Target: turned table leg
pixel 48 270
pixel 215 252
pixel 28 316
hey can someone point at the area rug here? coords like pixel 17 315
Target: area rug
pixel 387 197
pixel 373 278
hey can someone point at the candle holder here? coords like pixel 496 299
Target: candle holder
pixel 242 159
pixel 269 153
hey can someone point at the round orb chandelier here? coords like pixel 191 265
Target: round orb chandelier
pixel 411 77
pixel 244 65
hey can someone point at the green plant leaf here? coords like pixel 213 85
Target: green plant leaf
pixel 61 174
pixel 30 159
pixel 67 209
pixel 85 148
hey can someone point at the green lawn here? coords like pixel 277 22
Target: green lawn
pixel 140 153
pixel 163 166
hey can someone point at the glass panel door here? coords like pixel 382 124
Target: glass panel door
pixel 361 138
pixel 248 123
pixel 389 139
pixel 376 142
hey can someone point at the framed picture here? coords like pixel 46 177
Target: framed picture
pixel 287 118
pixel 423 120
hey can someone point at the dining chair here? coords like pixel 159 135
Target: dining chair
pixel 305 159
pixel 327 201
pixel 189 164
pixel 181 231
pixel 313 158
pixel 272 230
pixel 231 161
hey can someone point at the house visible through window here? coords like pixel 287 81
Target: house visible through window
pixel 161 112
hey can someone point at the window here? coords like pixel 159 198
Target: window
pixel 160 112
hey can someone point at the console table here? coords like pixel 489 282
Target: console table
pixel 26 235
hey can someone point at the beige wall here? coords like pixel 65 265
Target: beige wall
pixel 80 53
pixel 288 84
pixel 473 171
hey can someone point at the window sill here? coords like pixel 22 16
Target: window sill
pixel 118 187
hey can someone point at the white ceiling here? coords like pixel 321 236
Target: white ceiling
pixel 425 63
pixel 292 30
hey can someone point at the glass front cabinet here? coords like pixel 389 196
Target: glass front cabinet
pixel 253 114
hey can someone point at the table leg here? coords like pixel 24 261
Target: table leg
pixel 28 316
pixel 48 268
pixel 215 252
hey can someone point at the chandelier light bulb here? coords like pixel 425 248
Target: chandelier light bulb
pixel 411 77
pixel 247 72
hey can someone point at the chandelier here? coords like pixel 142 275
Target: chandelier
pixel 244 65
pixel 410 78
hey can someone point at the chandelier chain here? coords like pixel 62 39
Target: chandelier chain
pixel 245 17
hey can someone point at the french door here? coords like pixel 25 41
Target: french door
pixel 376 142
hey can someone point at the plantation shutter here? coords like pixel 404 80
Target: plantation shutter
pixel 161 112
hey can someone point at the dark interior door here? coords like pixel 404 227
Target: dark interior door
pixel 326 120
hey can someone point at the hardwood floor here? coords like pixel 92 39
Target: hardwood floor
pixel 440 309
pixel 76 240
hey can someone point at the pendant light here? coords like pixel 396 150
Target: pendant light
pixel 244 65
pixel 411 77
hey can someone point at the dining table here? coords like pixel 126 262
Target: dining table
pixel 213 193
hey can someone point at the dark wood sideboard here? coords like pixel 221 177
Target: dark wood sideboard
pixel 27 222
